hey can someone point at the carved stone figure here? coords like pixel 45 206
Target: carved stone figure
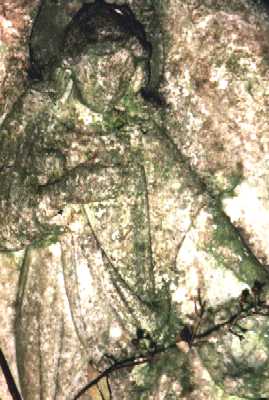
pixel 81 137
pixel 98 194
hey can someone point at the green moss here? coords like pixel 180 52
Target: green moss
pixel 114 120
pixel 233 64
pixel 134 113
pixel 226 240
pixel 3 48
pixel 250 379
pixel 213 360
pixel 186 378
pixel 167 320
pixel 51 238
pixel 131 104
pixel 233 181
pixel 146 377
pixel 222 186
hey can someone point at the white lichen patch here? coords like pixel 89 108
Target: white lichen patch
pixel 115 331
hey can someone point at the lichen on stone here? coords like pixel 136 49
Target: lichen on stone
pixel 119 205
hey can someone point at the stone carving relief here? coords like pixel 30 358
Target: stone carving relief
pixel 105 211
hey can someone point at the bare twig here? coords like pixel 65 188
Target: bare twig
pixel 128 362
pixel 247 306
pixel 12 387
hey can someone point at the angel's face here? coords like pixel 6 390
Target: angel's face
pixel 102 79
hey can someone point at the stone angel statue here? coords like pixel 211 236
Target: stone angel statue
pixel 97 194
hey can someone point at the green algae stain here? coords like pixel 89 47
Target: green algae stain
pixel 113 120
pixel 233 181
pixel 3 48
pixel 51 238
pixel 234 66
pixel 230 252
pixel 146 377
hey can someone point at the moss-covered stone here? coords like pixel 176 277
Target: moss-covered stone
pixel 121 211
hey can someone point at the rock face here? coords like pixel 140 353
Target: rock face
pixel 126 169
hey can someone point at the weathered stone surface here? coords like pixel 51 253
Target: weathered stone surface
pixel 117 210
pixel 9 277
pixel 216 79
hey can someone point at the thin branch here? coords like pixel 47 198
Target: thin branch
pixel 12 387
pixel 252 308
pixel 128 362
pixel 191 335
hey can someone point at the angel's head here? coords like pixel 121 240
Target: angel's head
pixel 106 50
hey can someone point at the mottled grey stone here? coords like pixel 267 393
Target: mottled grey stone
pixel 116 218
